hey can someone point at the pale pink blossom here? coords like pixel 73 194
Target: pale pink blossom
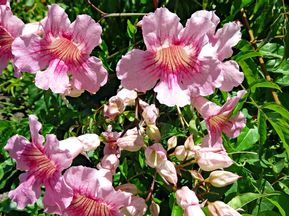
pixel 131 140
pixel 220 45
pixel 213 158
pixel 150 114
pixel 117 104
pixel 219 119
pixel 218 208
pixel 220 178
pixel 186 151
pixel 189 202
pixel 10 28
pixel 155 154
pixel 91 193
pixel 61 57
pixel 175 63
pixel 109 162
pixel 43 164
pixel 114 107
pixel 137 207
pixel 80 144
pixel 166 169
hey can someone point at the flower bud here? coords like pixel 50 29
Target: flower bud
pixel 168 172
pixel 153 133
pixel 155 209
pixel 172 142
pixel 137 207
pixel 221 178
pixel 155 154
pixel 114 108
pixel 109 162
pixel 150 114
pixel 209 161
pixel 219 208
pixel 131 141
pixel 183 154
pixel 189 143
pixel 189 202
pixel 128 96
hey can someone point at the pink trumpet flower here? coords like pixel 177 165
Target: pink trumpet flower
pixel 43 164
pixel 219 119
pixel 10 28
pixel 91 193
pixel 178 60
pixel 63 52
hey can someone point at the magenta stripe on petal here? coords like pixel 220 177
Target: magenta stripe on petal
pixel 5 42
pixel 87 206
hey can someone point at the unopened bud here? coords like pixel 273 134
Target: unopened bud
pixel 155 209
pixel 172 142
pixel 155 154
pixel 221 178
pixel 219 208
pixel 153 132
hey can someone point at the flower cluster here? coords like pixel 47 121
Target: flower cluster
pixel 181 64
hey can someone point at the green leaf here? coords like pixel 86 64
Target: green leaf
pixel 248 69
pixel 283 80
pixel 177 210
pixel 264 84
pixel 272 50
pixel 131 29
pixel 245 55
pixel 277 108
pixel 279 130
pixel 247 138
pixel 243 199
pixel 262 127
pixel 281 210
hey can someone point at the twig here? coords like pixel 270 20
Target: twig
pixel 260 58
pixel 181 117
pixel 152 187
pixel 105 15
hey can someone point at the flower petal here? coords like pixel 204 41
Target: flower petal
pixel 135 66
pixel 54 77
pixel 232 75
pixel 57 21
pixel 207 78
pixel 159 28
pixel 4 59
pixel 16 146
pixel 27 54
pixel 35 127
pixel 27 192
pixel 11 23
pixel 170 93
pixel 61 157
pixel 86 32
pixel 226 38
pixel 235 125
pixel 90 76
pixel 196 29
